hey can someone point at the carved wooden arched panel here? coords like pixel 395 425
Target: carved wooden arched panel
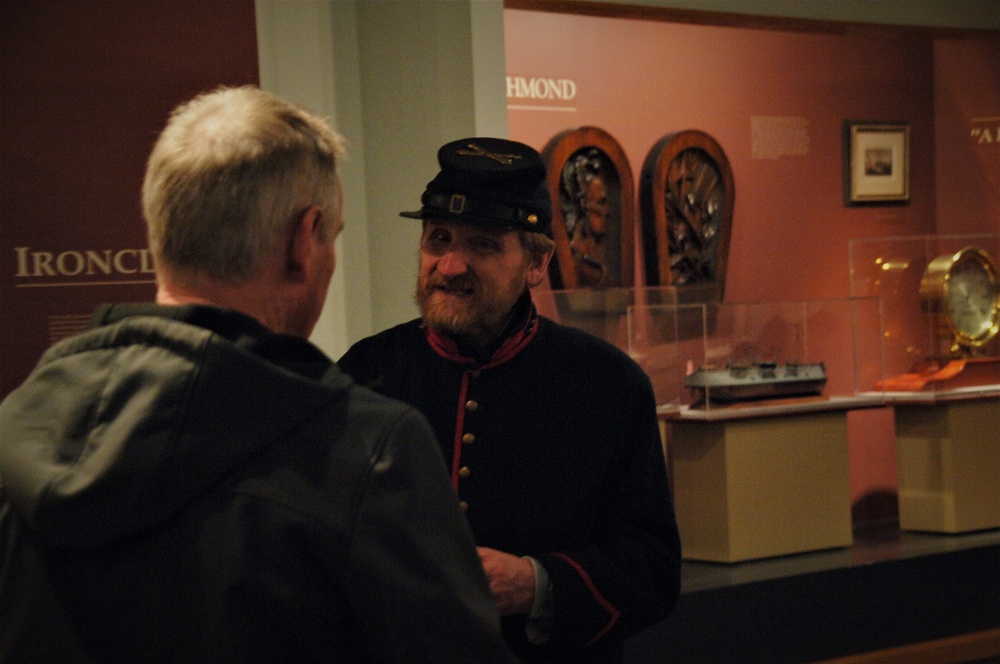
pixel 592 210
pixel 686 199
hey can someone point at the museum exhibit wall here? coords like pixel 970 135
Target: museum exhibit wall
pixel 967 156
pixel 775 100
pixel 86 85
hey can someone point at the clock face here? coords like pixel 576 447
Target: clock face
pixel 971 297
pixel 962 293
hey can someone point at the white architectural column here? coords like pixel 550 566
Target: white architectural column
pixel 307 52
pixel 431 72
pixel 399 78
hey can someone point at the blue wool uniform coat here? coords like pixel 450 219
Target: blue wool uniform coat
pixel 554 450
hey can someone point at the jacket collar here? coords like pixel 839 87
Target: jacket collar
pixel 244 331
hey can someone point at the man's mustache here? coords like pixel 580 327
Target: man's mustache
pixel 455 283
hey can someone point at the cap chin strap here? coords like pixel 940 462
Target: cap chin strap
pixel 460 205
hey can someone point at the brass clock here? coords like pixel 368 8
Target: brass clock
pixel 961 292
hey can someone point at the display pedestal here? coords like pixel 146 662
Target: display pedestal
pixel 758 487
pixel 949 465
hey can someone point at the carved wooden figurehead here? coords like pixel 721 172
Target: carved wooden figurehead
pixel 686 198
pixel 592 210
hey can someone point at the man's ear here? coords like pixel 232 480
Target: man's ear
pixel 538 267
pixel 301 243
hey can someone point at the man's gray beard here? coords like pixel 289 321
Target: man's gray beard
pixel 445 322
pixel 455 324
pixel 434 317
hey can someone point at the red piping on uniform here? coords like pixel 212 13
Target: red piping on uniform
pixel 598 597
pixel 456 455
pixel 446 347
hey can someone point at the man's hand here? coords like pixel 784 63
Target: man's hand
pixel 512 580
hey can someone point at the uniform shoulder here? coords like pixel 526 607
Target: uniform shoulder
pixel 381 342
pixel 573 341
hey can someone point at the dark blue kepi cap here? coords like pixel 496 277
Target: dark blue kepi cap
pixel 489 182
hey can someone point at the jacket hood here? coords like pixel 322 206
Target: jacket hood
pixel 120 427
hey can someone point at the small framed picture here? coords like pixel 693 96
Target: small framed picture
pixel 876 163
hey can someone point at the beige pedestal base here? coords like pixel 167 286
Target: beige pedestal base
pixel 949 465
pixel 761 487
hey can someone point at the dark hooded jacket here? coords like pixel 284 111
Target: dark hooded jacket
pixel 181 484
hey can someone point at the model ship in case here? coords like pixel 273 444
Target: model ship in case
pixel 762 380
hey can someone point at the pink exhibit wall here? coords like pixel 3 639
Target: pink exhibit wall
pixel 967 122
pixel 775 101
pixel 639 80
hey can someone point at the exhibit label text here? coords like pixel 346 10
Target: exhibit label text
pixel 86 262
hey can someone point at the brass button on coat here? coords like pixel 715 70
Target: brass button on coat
pixel 464 472
pixel 471 405
pixel 468 438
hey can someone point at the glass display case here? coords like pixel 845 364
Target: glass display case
pixel 940 307
pixel 739 387
pixel 702 355
pixel 604 312
pixel 758 356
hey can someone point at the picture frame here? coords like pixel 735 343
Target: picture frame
pixel 876 164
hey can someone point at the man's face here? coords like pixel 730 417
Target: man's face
pixel 470 278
